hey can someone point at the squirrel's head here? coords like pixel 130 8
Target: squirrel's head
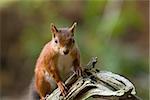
pixel 63 38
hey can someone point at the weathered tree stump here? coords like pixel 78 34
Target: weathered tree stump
pixel 102 85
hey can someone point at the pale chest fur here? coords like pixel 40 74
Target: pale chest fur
pixel 64 67
pixel 64 64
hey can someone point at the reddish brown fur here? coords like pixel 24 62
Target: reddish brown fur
pixel 48 61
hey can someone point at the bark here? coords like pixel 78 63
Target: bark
pixel 101 85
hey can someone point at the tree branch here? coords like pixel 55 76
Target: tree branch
pixel 97 84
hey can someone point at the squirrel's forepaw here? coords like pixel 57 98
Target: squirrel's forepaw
pixel 62 88
pixel 42 98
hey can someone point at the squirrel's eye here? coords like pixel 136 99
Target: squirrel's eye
pixel 56 41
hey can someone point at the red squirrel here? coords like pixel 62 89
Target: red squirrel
pixel 56 60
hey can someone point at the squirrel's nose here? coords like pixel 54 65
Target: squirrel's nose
pixel 66 52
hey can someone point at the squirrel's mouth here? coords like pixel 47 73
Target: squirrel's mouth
pixel 66 52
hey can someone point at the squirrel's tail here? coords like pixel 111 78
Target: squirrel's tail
pixel 33 95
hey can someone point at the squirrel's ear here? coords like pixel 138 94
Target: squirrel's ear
pixel 72 28
pixel 53 28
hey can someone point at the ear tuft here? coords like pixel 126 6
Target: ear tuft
pixel 75 24
pixel 72 28
pixel 53 28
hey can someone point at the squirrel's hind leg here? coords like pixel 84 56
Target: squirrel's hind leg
pixel 42 85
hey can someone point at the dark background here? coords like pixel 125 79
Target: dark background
pixel 117 32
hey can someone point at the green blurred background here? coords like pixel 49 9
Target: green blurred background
pixel 115 31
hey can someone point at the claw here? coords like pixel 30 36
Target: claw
pixel 62 88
